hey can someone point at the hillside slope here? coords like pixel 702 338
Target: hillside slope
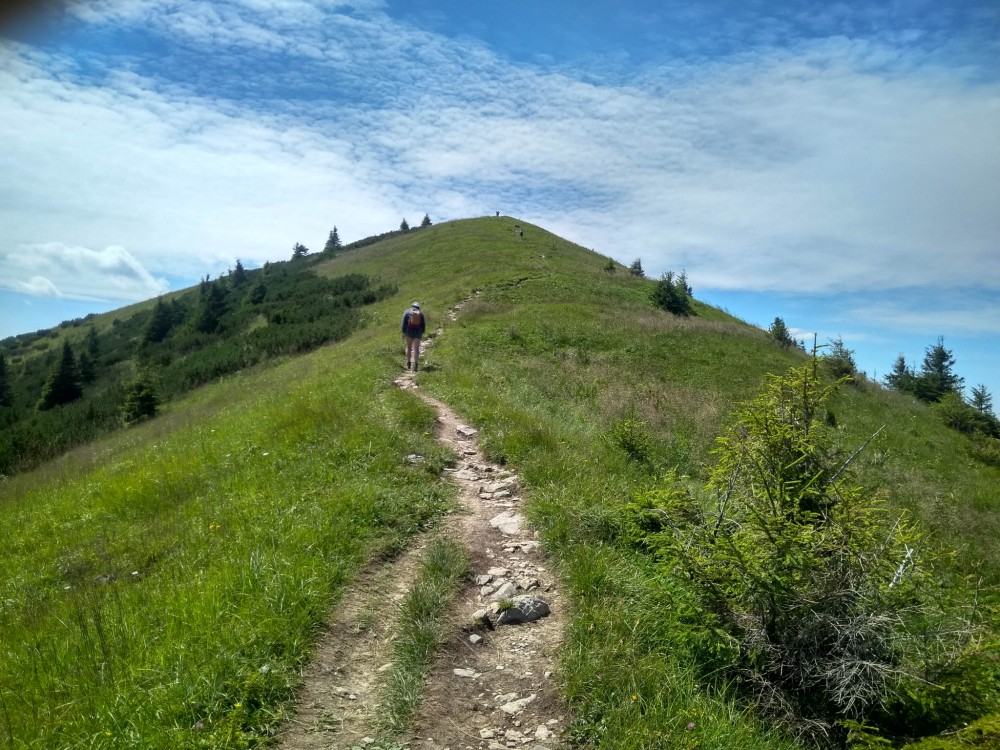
pixel 162 587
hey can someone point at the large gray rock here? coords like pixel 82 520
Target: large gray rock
pixel 507 522
pixel 525 609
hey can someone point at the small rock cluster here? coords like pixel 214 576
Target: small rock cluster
pixel 503 590
pixel 511 591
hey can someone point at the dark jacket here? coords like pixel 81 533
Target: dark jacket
pixel 414 332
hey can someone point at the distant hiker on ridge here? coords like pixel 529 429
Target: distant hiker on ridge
pixel 414 324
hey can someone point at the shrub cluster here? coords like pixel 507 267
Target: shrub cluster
pixel 829 605
pixel 673 294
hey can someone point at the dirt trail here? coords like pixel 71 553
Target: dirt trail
pixel 494 693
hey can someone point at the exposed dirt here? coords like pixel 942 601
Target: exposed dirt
pixel 504 693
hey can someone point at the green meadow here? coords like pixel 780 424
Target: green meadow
pixel 162 587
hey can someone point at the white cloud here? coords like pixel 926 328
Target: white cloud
pixel 62 272
pixel 978 315
pixel 38 286
pixel 184 186
pixel 833 165
pixel 807 179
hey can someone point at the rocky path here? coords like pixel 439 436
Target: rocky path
pixel 493 685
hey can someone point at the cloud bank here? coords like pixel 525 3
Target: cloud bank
pixel 827 163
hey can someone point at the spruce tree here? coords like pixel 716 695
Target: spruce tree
pixel 141 399
pixel 636 269
pixel 257 293
pixel 780 333
pixel 6 398
pixel 333 243
pixel 426 222
pixel 299 251
pixel 87 371
pixel 982 400
pixel 213 306
pixel 937 376
pixel 239 274
pixel 832 605
pixel 63 385
pixel 159 324
pixel 672 294
pixel 93 345
pixel 682 282
pixel 901 377
pixel 404 226
pixel 839 361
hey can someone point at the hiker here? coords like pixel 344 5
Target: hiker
pixel 414 323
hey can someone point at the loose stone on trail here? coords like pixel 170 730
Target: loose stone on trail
pixel 515 707
pixel 507 522
pixel 500 485
pixel 465 431
pixel 506 591
pixel 525 609
pixel 523 546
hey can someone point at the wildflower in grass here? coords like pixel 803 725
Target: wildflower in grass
pixel 690 726
pixel 107 732
pixel 199 725
pixel 237 705
pixel 635 698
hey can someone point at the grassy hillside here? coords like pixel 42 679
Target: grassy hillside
pixel 161 588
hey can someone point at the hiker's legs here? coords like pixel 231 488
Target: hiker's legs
pixel 412 351
pixel 415 346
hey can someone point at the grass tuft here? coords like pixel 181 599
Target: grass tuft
pixel 419 629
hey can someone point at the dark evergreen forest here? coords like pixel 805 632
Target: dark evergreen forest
pixel 64 386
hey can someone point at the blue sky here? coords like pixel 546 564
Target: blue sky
pixel 835 164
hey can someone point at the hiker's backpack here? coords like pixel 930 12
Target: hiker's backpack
pixel 415 320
